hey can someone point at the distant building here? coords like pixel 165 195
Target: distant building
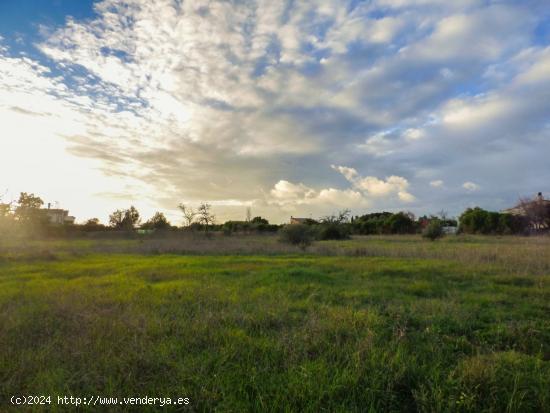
pixel 58 216
pixel 448 230
pixel 536 211
pixel 519 209
pixel 294 220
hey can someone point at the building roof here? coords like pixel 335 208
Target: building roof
pixel 519 208
pixel 300 220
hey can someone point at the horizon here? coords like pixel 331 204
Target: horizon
pixel 289 109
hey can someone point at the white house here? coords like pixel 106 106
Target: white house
pixel 58 216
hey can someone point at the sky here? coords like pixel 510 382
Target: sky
pixel 291 107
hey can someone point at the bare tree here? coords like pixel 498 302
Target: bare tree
pixel 536 211
pixel 341 218
pixel 206 218
pixel 189 214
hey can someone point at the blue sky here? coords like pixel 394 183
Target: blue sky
pixel 290 108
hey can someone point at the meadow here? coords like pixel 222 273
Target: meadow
pixel 245 323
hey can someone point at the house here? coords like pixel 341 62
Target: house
pixel 294 220
pixel 536 211
pixel 520 209
pixel 58 216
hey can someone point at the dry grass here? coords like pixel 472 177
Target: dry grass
pixel 513 255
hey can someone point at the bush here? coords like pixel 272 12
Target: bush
pixel 434 230
pixel 297 234
pixel 332 231
pixel 479 221
pixel 399 223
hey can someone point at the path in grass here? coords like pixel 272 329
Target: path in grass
pixel 284 333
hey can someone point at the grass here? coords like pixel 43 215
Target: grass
pixel 372 324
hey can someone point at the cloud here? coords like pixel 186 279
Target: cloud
pixel 289 196
pixel 218 101
pixel 470 186
pixel 375 187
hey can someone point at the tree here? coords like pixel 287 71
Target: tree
pixel 157 221
pixel 480 221
pixel 28 207
pixel 300 235
pixel 206 218
pixel 5 210
pixel 536 211
pixel 341 218
pixel 124 219
pixel 434 230
pixel 188 214
pixel 116 219
pixel 334 227
pixel 92 222
pixel 400 223
pixel 260 221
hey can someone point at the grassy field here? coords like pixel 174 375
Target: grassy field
pixel 247 324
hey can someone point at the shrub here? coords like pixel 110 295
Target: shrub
pixel 297 234
pixel 479 221
pixel 399 223
pixel 434 230
pixel 332 232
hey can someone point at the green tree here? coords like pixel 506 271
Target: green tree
pixel 434 230
pixel 92 222
pixel 124 219
pixel 300 235
pixel 5 210
pixel 259 220
pixel 157 221
pixel 28 208
pixel 400 223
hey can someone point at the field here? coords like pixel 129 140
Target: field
pixel 245 323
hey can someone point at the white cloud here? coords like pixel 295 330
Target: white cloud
pixel 437 183
pixel 470 186
pixel 375 187
pixel 218 100
pixel 290 196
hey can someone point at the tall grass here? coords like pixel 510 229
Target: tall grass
pixel 361 325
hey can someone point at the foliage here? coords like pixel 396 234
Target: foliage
pixel 157 221
pixel 257 224
pixel 124 219
pixel 332 231
pixel 479 221
pixel 28 208
pixel 5 210
pixel 333 227
pixel 385 223
pixel 259 221
pixel 297 234
pixel 434 230
pixel 370 224
pixel 400 223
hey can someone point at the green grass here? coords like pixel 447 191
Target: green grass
pixel 286 332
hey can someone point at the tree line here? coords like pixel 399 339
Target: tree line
pixel 27 212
